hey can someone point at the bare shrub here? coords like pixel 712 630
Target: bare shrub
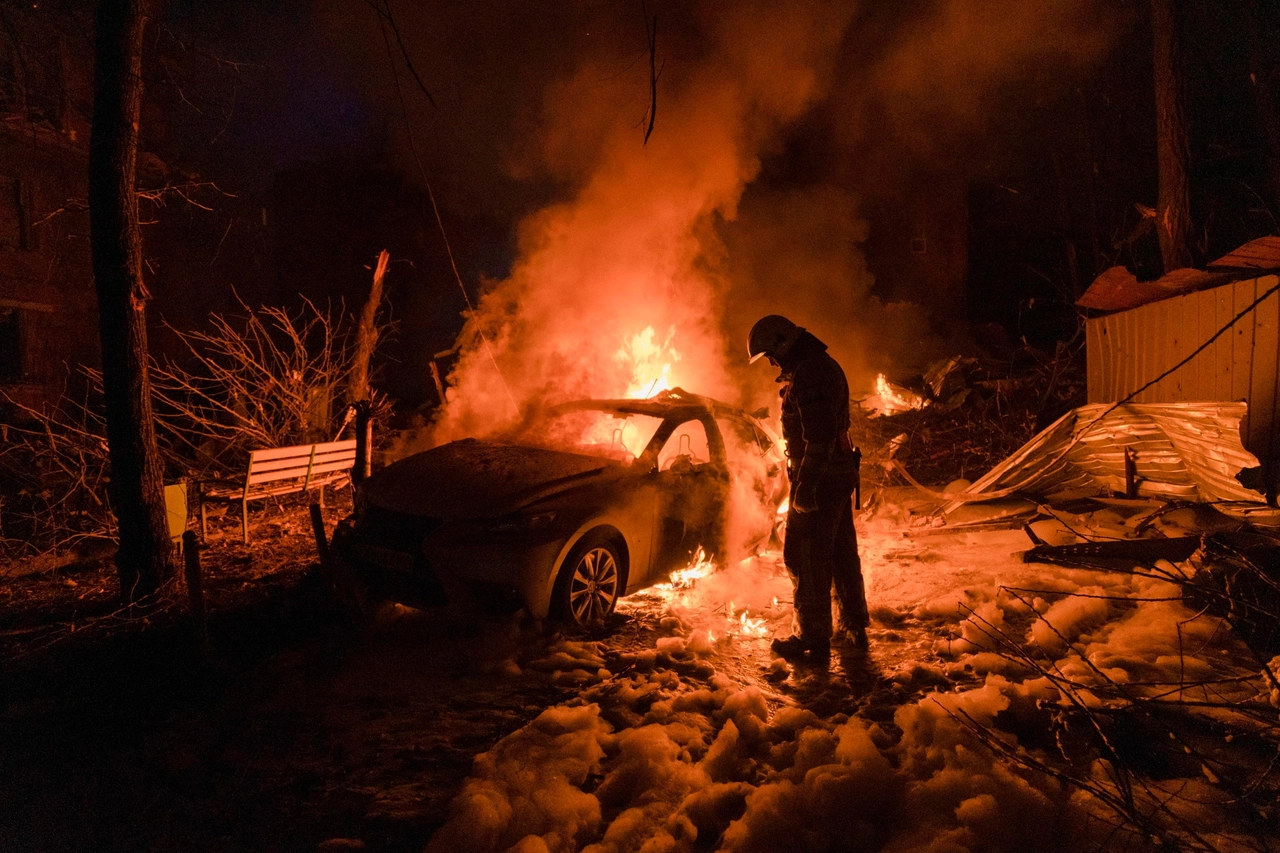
pixel 1151 756
pixel 54 470
pixel 268 378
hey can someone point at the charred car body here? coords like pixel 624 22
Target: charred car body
pixel 580 505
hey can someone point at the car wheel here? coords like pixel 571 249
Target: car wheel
pixel 590 582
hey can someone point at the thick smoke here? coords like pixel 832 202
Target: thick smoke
pixel 628 274
pixel 775 124
pixel 653 238
pixel 935 81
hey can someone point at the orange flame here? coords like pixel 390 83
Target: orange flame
pixel 649 362
pixel 745 624
pixel 893 399
pixel 699 567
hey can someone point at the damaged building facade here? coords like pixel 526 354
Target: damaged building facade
pixel 48 312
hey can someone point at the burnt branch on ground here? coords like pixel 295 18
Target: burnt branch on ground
pixel 1134 746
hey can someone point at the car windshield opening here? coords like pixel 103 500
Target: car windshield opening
pixel 594 432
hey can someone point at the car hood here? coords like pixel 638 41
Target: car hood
pixel 477 479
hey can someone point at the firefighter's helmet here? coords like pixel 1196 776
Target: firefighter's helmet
pixel 772 336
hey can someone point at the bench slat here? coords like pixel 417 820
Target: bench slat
pixel 300 451
pixel 279 487
pixel 334 453
pixel 289 468
pixel 282 465
pixel 276 476
pixel 330 446
pixel 348 459
pixel 338 465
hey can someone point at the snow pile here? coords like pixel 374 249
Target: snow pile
pixel 530 786
pixel 663 751
pixel 683 762
pixel 570 662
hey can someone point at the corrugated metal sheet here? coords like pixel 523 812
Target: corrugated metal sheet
pixel 1127 350
pixel 1118 290
pixel 1261 255
pixel 1189 451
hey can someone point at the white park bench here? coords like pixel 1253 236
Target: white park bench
pixel 281 471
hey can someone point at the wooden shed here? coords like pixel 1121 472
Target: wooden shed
pixel 1216 333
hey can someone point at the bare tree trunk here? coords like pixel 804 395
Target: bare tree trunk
pixel 145 558
pixel 1173 208
pixel 1264 73
pixel 367 334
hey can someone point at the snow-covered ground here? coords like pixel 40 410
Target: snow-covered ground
pixel 986 716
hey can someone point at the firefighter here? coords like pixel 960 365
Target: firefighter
pixel 821 546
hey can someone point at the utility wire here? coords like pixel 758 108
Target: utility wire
pixel 413 146
pixel 964 497
pixel 1198 350
pixel 390 19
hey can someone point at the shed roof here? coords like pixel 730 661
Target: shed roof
pixel 1256 256
pixel 1117 289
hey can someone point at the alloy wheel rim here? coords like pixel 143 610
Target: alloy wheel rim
pixel 593 587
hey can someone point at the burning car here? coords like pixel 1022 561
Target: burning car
pixel 581 504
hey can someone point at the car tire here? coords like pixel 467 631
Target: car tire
pixel 590 582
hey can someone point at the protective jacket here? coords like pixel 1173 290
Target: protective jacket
pixel 815 419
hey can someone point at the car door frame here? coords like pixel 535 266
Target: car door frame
pixel 711 476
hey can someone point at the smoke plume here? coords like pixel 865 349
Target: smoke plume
pixel 775 124
pixel 628 276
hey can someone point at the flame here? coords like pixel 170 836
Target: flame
pixel 753 627
pixel 630 254
pixel 784 506
pixel 699 567
pixel 895 398
pixel 649 362
pixel 744 624
pixel 739 622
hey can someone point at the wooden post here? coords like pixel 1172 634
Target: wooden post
pixel 364 442
pixel 322 540
pixel 1130 473
pixel 195 588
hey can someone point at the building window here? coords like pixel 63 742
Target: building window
pixel 15 209
pixel 11 345
pixel 32 76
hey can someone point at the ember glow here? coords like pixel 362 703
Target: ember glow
pixel 723 620
pixel 890 399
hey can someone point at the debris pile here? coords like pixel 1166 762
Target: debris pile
pixel 976 413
